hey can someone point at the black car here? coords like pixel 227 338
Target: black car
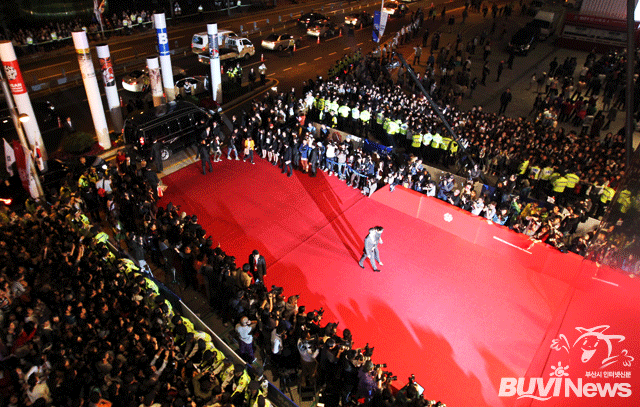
pixel 358 20
pixel 525 39
pixel 309 19
pixel 174 126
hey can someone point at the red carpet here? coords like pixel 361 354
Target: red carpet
pixel 461 316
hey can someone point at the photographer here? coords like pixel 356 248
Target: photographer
pixel 369 381
pixel 245 329
pixel 329 355
pixel 308 354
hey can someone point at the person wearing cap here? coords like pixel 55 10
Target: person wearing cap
pixel 258 266
pixel 371 247
pixel 240 385
pixel 245 329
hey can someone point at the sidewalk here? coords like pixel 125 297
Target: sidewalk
pixel 518 78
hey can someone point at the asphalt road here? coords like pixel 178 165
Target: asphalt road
pixel 130 52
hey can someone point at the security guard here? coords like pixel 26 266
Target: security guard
pixel 444 146
pixel 453 150
pixel 239 385
pixel 435 147
pixel 416 142
pixel 355 117
pixel 545 177
pixel 572 180
pixel 558 185
pixel 365 117
pixel 605 198
pixel 426 144
pixel 344 112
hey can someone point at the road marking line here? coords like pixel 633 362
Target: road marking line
pixel 48 66
pixel 286 69
pixel 348 48
pixel 511 244
pixel 122 49
pixel 605 281
pixel 271 74
pixel 317 58
pixel 175 38
pixel 360 43
pixel 300 49
pixel 304 63
pixel 333 53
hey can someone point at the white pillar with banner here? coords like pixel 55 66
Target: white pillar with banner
pixel 110 88
pixel 153 66
pixel 91 87
pixel 165 57
pixel 214 62
pixel 21 98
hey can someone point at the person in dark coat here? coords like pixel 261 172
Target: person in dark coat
pixel 287 156
pixel 156 155
pixel 314 159
pixel 205 158
pixel 258 266
pixel 505 99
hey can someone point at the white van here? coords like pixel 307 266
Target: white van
pixel 547 21
pixel 200 41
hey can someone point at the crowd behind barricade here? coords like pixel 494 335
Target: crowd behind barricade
pixel 82 324
pixel 35 37
pixel 549 179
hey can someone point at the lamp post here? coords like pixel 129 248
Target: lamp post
pixel 24 118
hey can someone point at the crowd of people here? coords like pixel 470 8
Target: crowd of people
pixel 84 324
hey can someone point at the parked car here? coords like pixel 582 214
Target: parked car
pixel 395 9
pixel 278 42
pixel 358 20
pixel 309 19
pixel 175 126
pixel 197 85
pixel 323 29
pixel 525 39
pixel 200 41
pixel 138 81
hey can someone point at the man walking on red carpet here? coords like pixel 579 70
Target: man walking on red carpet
pixel 371 247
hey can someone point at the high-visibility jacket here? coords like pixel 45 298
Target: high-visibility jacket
pixel 380 118
pixel 426 138
pixel 344 111
pixel 444 144
pixel 559 184
pixel 546 173
pixel 624 199
pixel 392 127
pixel 572 180
pixel 355 113
pixel 607 194
pixel 453 147
pixel 534 172
pixel 436 140
pixel 243 384
pixel 365 116
pixel 403 127
pixel 417 140
pixel 522 168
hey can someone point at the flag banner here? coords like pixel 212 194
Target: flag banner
pixel 9 157
pixel 376 26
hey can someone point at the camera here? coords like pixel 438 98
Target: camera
pixel 276 290
pixel 378 366
pixel 368 351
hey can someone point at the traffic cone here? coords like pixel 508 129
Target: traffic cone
pixel 340 31
pixel 261 57
pixel 59 123
pixel 294 47
pixel 318 40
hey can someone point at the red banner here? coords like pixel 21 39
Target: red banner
pixel 14 76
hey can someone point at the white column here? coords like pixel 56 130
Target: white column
pixel 153 66
pixel 165 58
pixel 21 96
pixel 214 62
pixel 110 88
pixel 91 87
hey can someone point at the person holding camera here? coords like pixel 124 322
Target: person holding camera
pixel 245 329
pixel 368 381
pixel 309 363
